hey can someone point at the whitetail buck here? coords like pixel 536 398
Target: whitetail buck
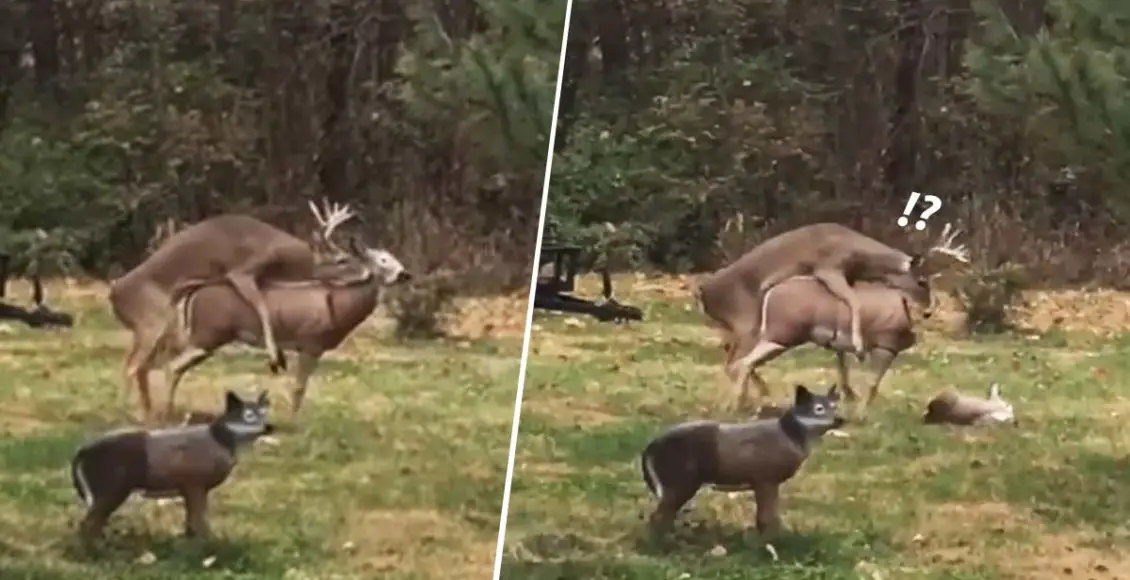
pixel 836 255
pixel 236 248
pixel 309 317
pixel 801 310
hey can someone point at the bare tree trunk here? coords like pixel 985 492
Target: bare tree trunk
pixel 902 151
pixel 333 172
pixel 44 39
pixel 10 43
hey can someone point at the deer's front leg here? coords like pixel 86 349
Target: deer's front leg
pixel 838 285
pixel 248 289
pixel 881 360
pixel 845 380
pixel 307 364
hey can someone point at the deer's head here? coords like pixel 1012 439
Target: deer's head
pixel 914 274
pixel 379 262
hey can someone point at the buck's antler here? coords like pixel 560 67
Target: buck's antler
pixel 329 218
pixel 946 246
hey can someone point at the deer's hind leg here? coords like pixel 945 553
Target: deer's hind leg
pixel 245 284
pixel 187 360
pixel 746 367
pixel 139 363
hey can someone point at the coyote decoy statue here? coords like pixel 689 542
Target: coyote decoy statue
pixel 757 456
pixel 188 461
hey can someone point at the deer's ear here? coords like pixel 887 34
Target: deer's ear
pixel 355 246
pixel 232 401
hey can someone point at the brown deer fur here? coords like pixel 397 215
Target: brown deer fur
pixel 239 249
pixel 836 255
pixel 309 317
pixel 801 310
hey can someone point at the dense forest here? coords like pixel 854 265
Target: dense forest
pixel 121 121
pixel 689 130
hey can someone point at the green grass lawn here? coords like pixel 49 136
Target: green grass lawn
pixel 395 468
pixel 896 499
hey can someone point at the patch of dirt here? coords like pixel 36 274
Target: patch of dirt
pixel 943 536
pixel 488 317
pixel 570 411
pixel 17 423
pixel 382 541
pixel 546 470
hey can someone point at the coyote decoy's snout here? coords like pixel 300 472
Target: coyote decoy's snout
pixel 756 456
pixel 188 461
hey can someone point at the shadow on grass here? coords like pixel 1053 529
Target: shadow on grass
pixel 167 553
pixel 695 546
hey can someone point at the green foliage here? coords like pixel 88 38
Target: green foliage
pixel 497 88
pixel 1067 85
pixel 46 177
pixel 174 111
pixel 989 298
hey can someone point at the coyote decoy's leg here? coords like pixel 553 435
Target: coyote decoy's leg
pixel 768 516
pixel 836 283
pixel 196 512
pixel 100 510
pixel 248 289
pixel 674 498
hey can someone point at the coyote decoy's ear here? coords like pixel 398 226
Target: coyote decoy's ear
pixel 232 401
pixel 263 401
pixel 834 392
pixel 803 395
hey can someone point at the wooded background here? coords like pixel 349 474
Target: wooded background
pixel 119 118
pixel 677 116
